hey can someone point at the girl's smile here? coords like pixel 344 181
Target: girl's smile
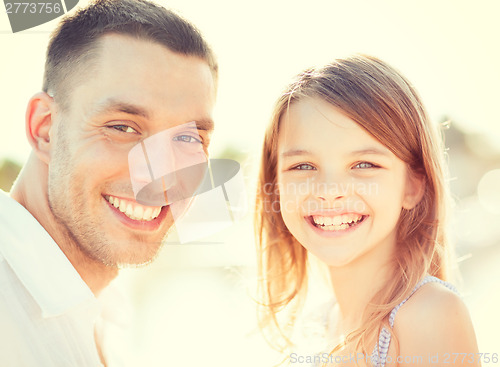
pixel 327 224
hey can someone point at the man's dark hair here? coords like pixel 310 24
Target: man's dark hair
pixel 74 41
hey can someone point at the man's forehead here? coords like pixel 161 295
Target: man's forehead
pixel 114 42
pixel 176 90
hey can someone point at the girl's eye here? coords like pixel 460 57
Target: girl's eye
pixel 187 139
pixel 124 129
pixel 303 167
pixel 365 165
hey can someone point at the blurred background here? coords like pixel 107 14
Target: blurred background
pixel 194 306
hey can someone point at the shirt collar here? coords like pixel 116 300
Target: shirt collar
pixel 38 261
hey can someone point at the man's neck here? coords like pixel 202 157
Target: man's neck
pixel 30 190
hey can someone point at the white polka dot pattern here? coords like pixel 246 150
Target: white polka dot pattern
pixel 379 355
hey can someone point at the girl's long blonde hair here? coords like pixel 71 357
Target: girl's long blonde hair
pixel 386 105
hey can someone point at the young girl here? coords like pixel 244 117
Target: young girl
pixel 352 173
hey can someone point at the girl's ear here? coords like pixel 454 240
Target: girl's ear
pixel 39 121
pixel 415 188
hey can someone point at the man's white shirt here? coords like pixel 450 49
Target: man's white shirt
pixel 48 315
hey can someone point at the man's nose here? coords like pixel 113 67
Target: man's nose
pixel 152 168
pixel 161 161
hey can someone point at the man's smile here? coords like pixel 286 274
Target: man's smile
pixel 136 216
pixel 134 210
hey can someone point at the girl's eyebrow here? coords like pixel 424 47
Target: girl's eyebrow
pixel 371 150
pixel 364 151
pixel 295 152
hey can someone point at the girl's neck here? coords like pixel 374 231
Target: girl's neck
pixel 357 283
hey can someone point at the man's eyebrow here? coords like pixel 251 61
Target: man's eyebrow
pixel 205 124
pixel 112 105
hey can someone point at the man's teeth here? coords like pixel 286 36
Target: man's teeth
pixel 134 211
pixel 337 222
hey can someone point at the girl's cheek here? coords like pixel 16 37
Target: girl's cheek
pixel 290 201
pixel 293 185
pixel 384 191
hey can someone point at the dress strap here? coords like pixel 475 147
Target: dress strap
pixel 381 349
pixel 427 279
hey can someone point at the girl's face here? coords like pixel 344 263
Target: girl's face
pixel 341 190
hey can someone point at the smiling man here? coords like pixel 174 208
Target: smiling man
pixel 117 73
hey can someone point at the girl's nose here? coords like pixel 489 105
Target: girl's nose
pixel 331 187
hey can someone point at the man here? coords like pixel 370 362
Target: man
pixel 117 73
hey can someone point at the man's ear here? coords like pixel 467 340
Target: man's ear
pixel 39 121
pixel 415 189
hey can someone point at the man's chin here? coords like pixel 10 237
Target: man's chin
pixel 131 254
pixel 132 262
pixel 135 265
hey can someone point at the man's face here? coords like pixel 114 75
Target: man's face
pixel 134 90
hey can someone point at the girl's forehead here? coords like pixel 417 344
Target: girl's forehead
pixel 314 123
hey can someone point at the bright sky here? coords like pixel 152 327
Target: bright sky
pixel 449 49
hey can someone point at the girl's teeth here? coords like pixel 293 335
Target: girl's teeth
pixel 336 223
pixel 336 227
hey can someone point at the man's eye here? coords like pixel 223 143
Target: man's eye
pixel 303 167
pixel 366 165
pixel 124 128
pixel 187 139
